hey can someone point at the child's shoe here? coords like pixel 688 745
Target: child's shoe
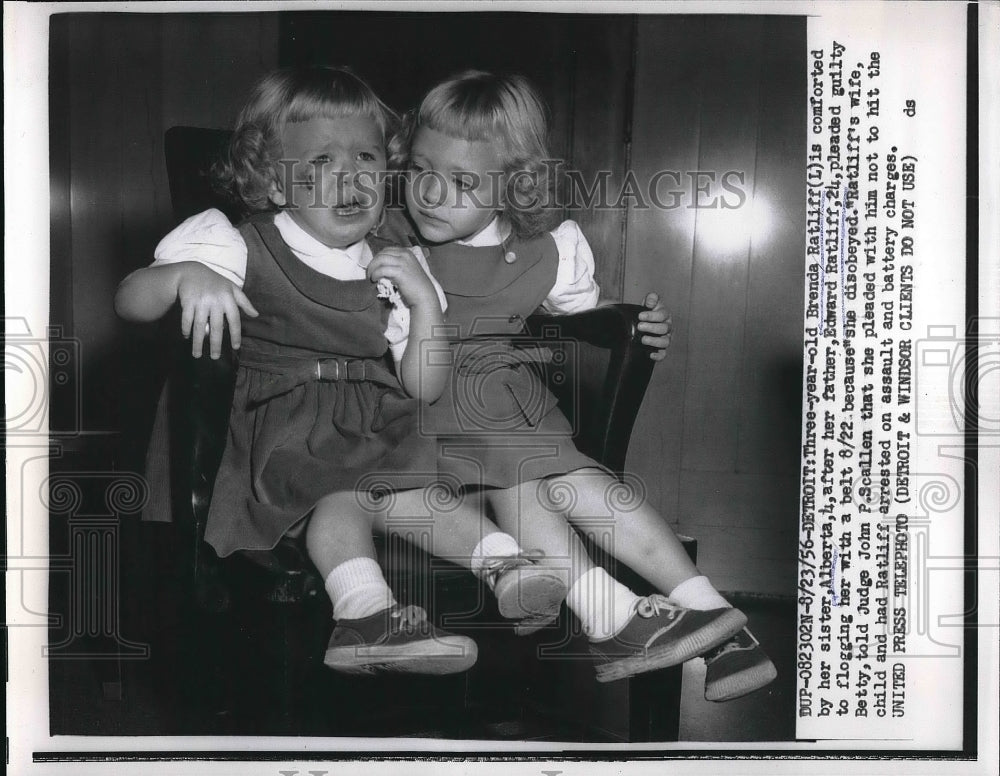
pixel 397 639
pixel 659 634
pixel 526 591
pixel 736 668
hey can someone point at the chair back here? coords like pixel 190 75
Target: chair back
pixel 190 153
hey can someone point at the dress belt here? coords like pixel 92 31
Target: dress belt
pixel 287 372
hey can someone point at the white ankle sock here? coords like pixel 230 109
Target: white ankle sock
pixel 698 593
pixel 358 589
pixel 494 545
pixel 603 605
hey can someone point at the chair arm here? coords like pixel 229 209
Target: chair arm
pixel 200 395
pixel 613 328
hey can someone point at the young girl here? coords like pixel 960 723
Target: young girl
pixel 317 408
pixel 491 253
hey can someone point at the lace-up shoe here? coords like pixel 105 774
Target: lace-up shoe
pixel 737 667
pixel 397 639
pixel 525 590
pixel 659 634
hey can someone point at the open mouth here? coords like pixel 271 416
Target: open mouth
pixel 346 210
pixel 352 207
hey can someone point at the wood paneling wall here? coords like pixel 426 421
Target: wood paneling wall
pixel 718 433
pixel 118 81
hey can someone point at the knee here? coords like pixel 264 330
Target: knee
pixel 334 513
pixel 578 493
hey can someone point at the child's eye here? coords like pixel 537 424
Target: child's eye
pixel 367 156
pixel 322 159
pixel 465 182
pixel 417 168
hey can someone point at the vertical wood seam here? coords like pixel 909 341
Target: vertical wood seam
pixel 630 87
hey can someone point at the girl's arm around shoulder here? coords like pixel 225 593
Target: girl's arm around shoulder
pixel 208 289
pixel 576 290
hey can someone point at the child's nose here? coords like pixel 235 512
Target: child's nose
pixel 340 173
pixel 430 189
pixel 338 167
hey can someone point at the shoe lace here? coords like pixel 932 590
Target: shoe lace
pixel 653 605
pixel 496 567
pixel 408 619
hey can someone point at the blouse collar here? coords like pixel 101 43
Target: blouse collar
pixel 308 247
pixel 494 234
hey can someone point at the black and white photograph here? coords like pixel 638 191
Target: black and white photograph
pixel 672 435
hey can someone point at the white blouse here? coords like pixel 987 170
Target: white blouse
pixel 210 239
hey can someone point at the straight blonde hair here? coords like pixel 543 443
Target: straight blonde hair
pixel 505 111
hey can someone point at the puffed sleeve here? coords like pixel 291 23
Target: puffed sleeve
pixel 575 288
pixel 397 331
pixel 209 239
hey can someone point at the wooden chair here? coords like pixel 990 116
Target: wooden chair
pixel 269 607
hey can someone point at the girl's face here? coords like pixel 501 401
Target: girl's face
pixel 332 182
pixel 455 186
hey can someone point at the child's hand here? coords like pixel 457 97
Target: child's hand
pixel 657 323
pixel 208 301
pixel 400 267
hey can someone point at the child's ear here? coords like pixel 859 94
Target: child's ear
pixel 276 195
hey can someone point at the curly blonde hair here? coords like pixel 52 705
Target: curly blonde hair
pixel 506 111
pixel 249 168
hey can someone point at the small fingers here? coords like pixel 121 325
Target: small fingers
pixel 198 331
pixel 393 256
pixel 655 327
pixel 243 302
pixel 216 328
pixel 187 318
pixel 657 314
pixel 379 265
pixel 232 315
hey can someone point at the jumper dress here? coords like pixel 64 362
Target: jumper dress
pixel 497 423
pixel 317 408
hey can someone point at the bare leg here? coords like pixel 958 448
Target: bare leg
pixel 540 528
pixel 623 524
pixel 342 524
pixel 338 531
pixel 446 527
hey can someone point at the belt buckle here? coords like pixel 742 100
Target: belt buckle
pixel 323 371
pixel 355 370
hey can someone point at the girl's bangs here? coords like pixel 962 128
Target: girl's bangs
pixel 307 105
pixel 471 125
